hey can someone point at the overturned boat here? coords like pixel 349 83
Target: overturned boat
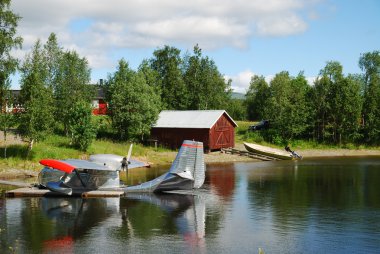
pixel 101 172
pixel 268 151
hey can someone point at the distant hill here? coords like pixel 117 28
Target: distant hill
pixel 239 96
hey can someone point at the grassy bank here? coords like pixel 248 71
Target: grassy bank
pixel 58 147
pixel 243 135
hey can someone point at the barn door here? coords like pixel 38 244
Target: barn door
pixel 223 133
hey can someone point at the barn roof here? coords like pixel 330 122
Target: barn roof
pixel 201 119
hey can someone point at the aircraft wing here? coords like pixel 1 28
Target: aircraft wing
pixel 60 165
pixel 114 161
pixel 69 165
pixel 137 164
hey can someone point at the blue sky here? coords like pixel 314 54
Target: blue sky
pixel 243 37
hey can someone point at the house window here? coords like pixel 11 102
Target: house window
pixel 95 104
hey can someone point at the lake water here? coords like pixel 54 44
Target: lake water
pixel 309 206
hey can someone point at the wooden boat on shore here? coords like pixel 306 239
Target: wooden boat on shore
pixel 268 151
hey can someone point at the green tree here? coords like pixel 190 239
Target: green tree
pixel 151 76
pixel 37 119
pixel 8 64
pixel 8 41
pixel 71 85
pixel 370 64
pixel 134 104
pixel 321 107
pixel 278 107
pixel 236 109
pixel 301 116
pixel 53 55
pixel 287 107
pixel 337 100
pixel 333 71
pixel 167 63
pixel 206 86
pixel 7 119
pixel 256 97
pixel 350 108
pixel 83 131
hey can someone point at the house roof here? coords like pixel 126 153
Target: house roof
pixel 198 119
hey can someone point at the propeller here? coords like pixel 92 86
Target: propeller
pixel 129 154
pixel 127 160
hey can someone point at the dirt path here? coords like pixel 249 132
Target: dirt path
pixel 307 153
pixel 219 157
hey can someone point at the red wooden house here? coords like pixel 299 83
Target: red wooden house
pixel 99 105
pixel 215 128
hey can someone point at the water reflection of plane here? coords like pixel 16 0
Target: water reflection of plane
pixel 74 217
pixel 187 211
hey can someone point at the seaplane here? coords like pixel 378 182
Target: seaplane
pixel 101 172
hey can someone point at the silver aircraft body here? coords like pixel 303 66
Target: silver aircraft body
pixel 101 172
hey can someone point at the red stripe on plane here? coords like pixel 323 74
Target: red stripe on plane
pixel 193 146
pixel 56 164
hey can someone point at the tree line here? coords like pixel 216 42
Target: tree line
pixel 335 109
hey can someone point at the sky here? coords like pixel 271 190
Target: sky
pixel 243 37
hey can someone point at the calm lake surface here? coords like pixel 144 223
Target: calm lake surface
pixel 309 206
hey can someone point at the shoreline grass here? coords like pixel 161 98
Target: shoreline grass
pixel 243 135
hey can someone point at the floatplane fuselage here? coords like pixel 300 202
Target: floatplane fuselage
pixel 101 172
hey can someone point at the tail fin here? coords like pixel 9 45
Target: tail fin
pixel 190 160
pixel 187 171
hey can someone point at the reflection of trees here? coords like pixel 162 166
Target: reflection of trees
pixel 221 178
pixel 140 175
pixel 298 193
pixel 220 185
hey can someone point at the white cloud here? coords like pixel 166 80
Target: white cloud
pixel 281 26
pixel 209 31
pixel 311 80
pixel 240 82
pixel 120 24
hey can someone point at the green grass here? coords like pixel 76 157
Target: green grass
pixel 243 135
pixel 58 147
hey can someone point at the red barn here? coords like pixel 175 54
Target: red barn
pixel 99 105
pixel 215 128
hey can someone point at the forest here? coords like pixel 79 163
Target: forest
pixel 56 95
pixel 335 109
